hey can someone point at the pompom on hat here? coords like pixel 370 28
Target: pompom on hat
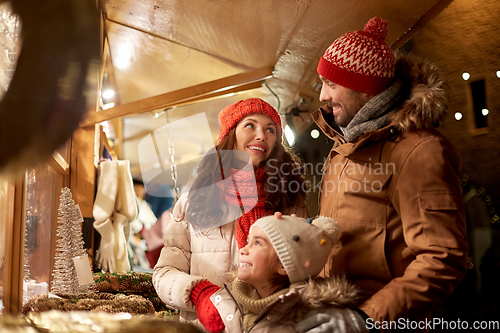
pixel 360 60
pixel 303 248
pixel 232 114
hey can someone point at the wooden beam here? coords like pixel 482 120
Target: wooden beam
pixel 117 123
pixel 105 141
pixel 13 270
pixel 59 164
pixel 176 97
pixel 220 93
pixel 424 19
pixel 82 169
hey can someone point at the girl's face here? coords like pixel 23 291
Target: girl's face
pixel 259 262
pixel 256 134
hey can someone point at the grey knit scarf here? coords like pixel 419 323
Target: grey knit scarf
pixel 375 114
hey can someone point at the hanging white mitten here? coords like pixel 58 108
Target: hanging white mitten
pixel 122 262
pixel 126 203
pixel 105 255
pixel 107 187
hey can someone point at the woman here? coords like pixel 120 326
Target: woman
pixel 249 172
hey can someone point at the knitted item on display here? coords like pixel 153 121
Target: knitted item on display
pixel 105 255
pixel 115 193
pixel 360 60
pixel 206 311
pixel 121 256
pixel 248 193
pixel 232 114
pixel 303 248
pixel 126 203
pixel 107 189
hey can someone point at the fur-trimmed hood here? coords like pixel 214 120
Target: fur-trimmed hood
pixel 242 309
pixel 320 292
pixel 334 291
pixel 426 100
pixel 301 297
pixel 316 292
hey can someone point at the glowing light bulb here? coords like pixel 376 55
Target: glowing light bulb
pixel 458 116
pixel 485 112
pixel 290 137
pixel 108 93
pixel 314 134
pixel 465 76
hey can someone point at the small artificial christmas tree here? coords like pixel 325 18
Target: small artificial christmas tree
pixel 69 245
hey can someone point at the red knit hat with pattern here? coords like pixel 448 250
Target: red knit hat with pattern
pixel 232 114
pixel 360 60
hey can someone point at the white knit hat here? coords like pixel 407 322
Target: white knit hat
pixel 303 248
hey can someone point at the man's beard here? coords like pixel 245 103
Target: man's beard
pixel 330 120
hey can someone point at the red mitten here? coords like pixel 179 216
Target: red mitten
pixel 205 309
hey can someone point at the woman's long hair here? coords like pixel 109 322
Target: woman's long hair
pixel 285 186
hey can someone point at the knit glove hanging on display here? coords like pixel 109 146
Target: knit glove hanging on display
pixel 205 309
pixel 107 188
pixel 126 203
pixel 121 256
pixel 105 255
pixel 104 204
pixel 125 211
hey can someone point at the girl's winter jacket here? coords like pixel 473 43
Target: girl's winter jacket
pixel 287 307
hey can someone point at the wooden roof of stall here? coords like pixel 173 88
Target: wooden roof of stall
pixel 178 56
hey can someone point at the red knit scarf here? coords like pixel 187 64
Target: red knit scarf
pixel 241 191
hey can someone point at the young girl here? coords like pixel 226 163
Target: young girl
pixel 204 236
pixel 276 282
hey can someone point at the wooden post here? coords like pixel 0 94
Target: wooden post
pixel 13 276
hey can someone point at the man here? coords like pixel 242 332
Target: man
pixel 391 180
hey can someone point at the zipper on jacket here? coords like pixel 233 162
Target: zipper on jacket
pixel 234 299
pixel 240 309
